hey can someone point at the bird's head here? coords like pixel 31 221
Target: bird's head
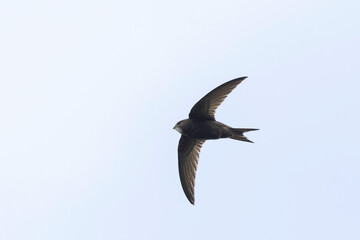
pixel 179 126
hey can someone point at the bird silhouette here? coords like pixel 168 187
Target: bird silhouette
pixel 201 126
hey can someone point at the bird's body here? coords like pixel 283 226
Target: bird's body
pixel 201 126
pixel 207 129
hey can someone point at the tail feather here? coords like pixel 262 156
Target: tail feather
pixel 238 133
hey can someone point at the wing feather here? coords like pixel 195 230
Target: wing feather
pixel 205 108
pixel 188 156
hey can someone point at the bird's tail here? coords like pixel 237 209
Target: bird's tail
pixel 238 133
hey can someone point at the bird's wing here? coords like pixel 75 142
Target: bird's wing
pixel 205 108
pixel 188 154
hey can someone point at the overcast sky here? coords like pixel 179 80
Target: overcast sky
pixel 90 92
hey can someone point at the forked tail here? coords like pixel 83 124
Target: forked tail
pixel 238 133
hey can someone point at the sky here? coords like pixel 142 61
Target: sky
pixel 90 92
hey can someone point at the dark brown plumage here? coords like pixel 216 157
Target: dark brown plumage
pixel 200 126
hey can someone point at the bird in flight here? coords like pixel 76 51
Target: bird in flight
pixel 201 126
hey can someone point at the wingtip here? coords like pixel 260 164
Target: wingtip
pixel 241 78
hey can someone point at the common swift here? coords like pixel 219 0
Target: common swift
pixel 201 126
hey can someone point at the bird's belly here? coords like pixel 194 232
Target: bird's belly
pixel 205 132
pixel 204 135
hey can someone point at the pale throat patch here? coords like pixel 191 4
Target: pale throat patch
pixel 179 129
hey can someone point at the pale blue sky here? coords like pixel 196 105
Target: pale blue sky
pixel 90 91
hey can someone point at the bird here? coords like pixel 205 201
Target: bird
pixel 201 126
